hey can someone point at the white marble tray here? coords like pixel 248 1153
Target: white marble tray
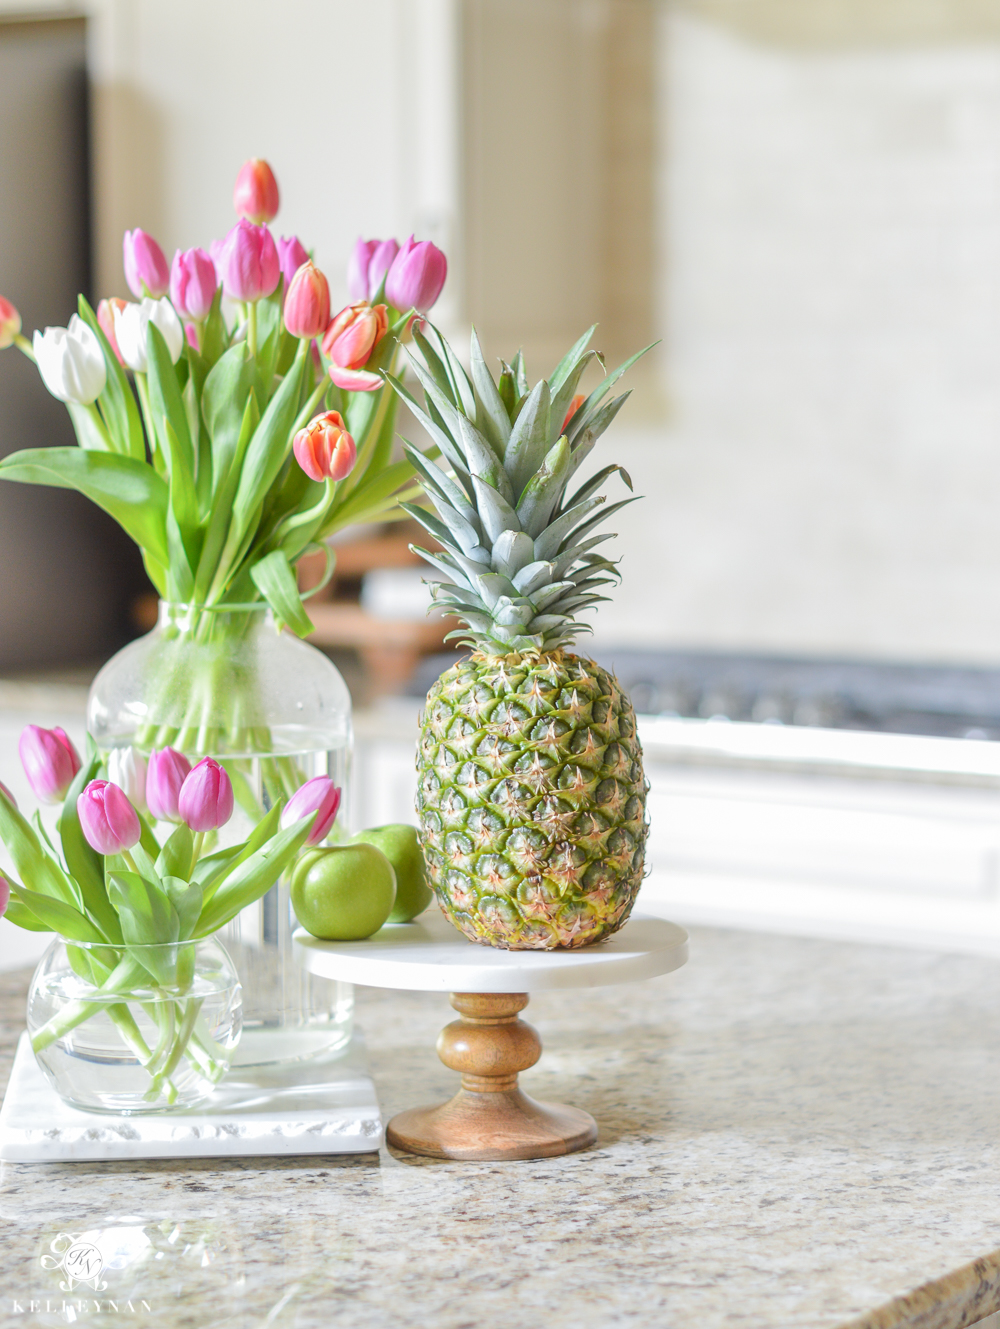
pixel 319 1106
pixel 431 955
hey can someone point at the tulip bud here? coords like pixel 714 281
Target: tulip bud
pixel 416 277
pixel 292 253
pixel 317 795
pixel 249 262
pixel 307 304
pixel 146 268
pixel 324 449
pixel 166 772
pixel 71 362
pixel 10 323
pixel 7 794
pixel 349 342
pixel 132 324
pixel 127 769
pixel 256 193
pixel 206 800
pixel 192 283
pixel 50 761
pixel 4 895
pixel 574 406
pixel 106 322
pixel 109 822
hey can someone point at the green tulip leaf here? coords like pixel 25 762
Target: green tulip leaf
pixel 253 878
pixel 56 915
pixel 274 578
pixel 175 857
pixel 129 490
pixel 187 899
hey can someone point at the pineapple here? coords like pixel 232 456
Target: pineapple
pixel 531 793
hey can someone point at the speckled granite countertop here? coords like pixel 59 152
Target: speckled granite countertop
pixel 793 1133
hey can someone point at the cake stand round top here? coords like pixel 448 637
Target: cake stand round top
pixel 431 955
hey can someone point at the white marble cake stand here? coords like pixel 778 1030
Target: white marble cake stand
pixel 490 1118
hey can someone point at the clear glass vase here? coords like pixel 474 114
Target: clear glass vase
pixel 134 1029
pixel 224 683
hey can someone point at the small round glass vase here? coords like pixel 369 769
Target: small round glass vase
pixel 134 1029
pixel 223 682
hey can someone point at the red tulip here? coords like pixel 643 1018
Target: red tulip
pixel 146 268
pixel 574 406
pixel 106 321
pixel 10 323
pixel 317 795
pixel 349 342
pixel 256 193
pixel 109 822
pixel 416 277
pixel 324 449
pixel 307 304
pixel 206 799
pixel 248 262
pixel 50 761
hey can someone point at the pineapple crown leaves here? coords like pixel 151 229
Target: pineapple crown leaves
pixel 517 555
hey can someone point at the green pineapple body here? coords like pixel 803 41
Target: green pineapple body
pixel 532 800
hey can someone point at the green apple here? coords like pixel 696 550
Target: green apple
pixel 401 847
pixel 343 893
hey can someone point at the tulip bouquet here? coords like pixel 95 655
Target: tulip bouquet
pixel 227 422
pixel 130 903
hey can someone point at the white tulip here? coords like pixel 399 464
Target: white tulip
pixel 71 362
pixel 132 322
pixel 127 769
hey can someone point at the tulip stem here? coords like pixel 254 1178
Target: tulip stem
pixel 199 840
pixel 252 327
pixel 23 345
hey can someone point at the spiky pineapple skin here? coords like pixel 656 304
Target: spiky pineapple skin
pixel 532 800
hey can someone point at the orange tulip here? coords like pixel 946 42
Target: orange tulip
pixel 256 194
pixel 349 342
pixel 324 449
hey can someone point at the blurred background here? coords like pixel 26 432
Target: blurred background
pixel 798 200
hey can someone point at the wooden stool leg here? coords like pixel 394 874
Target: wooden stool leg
pixel 490 1118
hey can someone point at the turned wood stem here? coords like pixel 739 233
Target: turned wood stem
pixel 490 1118
pixel 489 1045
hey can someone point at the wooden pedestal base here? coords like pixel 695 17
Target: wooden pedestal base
pixel 490 1118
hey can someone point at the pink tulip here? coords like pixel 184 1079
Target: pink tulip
pixel 368 264
pixel 7 794
pixel 146 268
pixel 4 894
pixel 349 342
pixel 10 323
pixel 109 822
pixel 292 253
pixel 325 450
pixel 416 277
pixel 357 268
pixel 256 196
pixel 317 795
pixel 307 304
pixel 193 340
pixel 50 761
pixel 165 774
pixel 192 283
pixel 106 322
pixel 249 262
pixel 206 800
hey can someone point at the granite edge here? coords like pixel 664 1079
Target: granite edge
pixel 958 1300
